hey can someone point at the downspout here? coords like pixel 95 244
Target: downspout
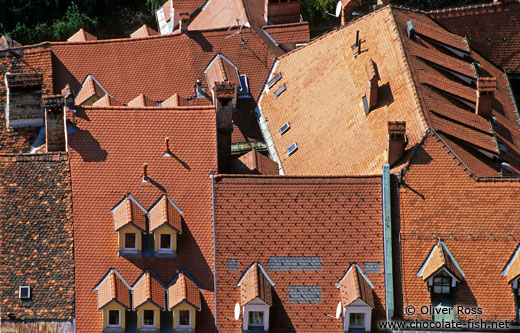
pixel 387 245
pixel 214 248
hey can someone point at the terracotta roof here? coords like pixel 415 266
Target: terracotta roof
pixel 22 80
pixel 475 219
pixel 112 288
pixel 143 31
pixel 490 29
pixel 36 245
pixel 148 289
pixel 141 100
pixel 107 153
pixel 354 286
pixel 128 212
pixel 218 14
pixel 107 100
pixel 289 33
pixel 89 88
pixel 221 69
pixel 165 212
pixel 438 259
pixel 81 36
pixel 513 271
pixel 180 6
pixel 171 101
pixel 304 237
pixel 255 162
pixel 184 290
pixel 254 284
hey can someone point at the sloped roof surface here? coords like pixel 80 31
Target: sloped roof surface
pixel 476 220
pixel 255 284
pixel 354 287
pixel 88 89
pixel 36 243
pixel 147 288
pixel 141 100
pixel 289 32
pixel 107 153
pixel 144 31
pixel 165 213
pixel 219 14
pixel 491 29
pixel 514 270
pixel 81 36
pixel 440 259
pixel 112 288
pixel 129 212
pixel 255 162
pixel 220 70
pixel 304 231
pixel 183 290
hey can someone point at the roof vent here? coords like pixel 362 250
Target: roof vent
pixel 184 20
pixel 145 174
pixel 279 91
pixel 410 30
pixel 275 79
pixel 25 292
pixel 167 151
pixel 486 87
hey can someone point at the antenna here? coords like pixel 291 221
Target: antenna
pixel 239 32
pixel 357 40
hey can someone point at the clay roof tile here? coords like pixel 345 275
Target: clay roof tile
pixel 184 290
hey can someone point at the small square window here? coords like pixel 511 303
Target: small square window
pixel 149 318
pixel 25 292
pixel 114 319
pixel 184 318
pixel 256 318
pixel 165 242
pixel 356 320
pixel 130 241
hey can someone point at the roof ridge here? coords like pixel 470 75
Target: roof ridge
pixel 142 108
pixel 292 24
pixel 449 10
pixel 221 176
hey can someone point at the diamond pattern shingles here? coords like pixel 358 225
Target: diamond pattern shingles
pixel 107 153
pixel 147 289
pixel 325 85
pixel 476 220
pixel 335 219
pixel 354 287
pixel 254 284
pixel 112 288
pixel 184 290
pixel 165 213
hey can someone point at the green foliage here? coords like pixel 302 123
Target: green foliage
pixel 59 29
pixel 315 10
pixel 153 5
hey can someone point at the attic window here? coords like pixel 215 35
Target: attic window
pixel 25 292
pixel 501 146
pixel 244 87
pixel 275 79
pixel 279 91
pixel 292 149
pixel 284 128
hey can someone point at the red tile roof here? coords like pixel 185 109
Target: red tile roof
pixel 146 289
pixel 255 162
pixel 301 231
pixel 88 89
pixel 81 36
pixel 289 33
pixel 107 100
pixel 112 288
pixel 141 101
pixel 144 31
pixel 107 153
pixel 437 260
pixel 514 270
pixel 184 290
pixel 218 14
pixel 165 212
pixel 254 284
pixel 491 30
pixel 128 212
pixel 354 286
pixel 221 69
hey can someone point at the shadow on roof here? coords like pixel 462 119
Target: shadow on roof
pixel 88 147
pixel 199 38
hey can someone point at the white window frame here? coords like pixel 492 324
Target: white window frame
pixel 108 318
pixel 20 292
pixel 255 305
pixel 357 306
pixel 142 319
pixel 179 320
pixel 165 250
pixel 129 249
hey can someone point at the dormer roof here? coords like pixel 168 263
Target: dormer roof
pixel 221 69
pixel 255 284
pixel 512 270
pixel 165 212
pixel 148 289
pixel 439 258
pixel 107 100
pixel 129 211
pixel 183 290
pixel 141 100
pixel 144 31
pixel 89 88
pixel 113 288
pixel 81 36
pixel 355 285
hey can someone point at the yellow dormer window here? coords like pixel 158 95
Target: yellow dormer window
pixel 129 224
pixel 165 223
pixel 184 301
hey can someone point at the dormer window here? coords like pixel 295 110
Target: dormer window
pixel 25 292
pixel 184 319
pixel 165 243
pixel 114 318
pixel 129 224
pixel 130 243
pixel 148 299
pixel 184 301
pixel 165 223
pixel 113 297
pixel 256 298
pixel 148 319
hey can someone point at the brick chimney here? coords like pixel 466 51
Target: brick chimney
pixel 223 95
pixel 372 84
pixel 184 21
pixel 486 87
pixel 54 123
pixel 396 140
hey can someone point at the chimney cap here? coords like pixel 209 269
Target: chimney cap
pixel 397 127
pixel 371 70
pixel 184 15
pixel 486 84
pixel 224 89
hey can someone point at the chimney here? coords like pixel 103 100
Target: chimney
pixel 54 123
pixel 372 84
pixel 145 178
pixel 184 20
pixel 486 87
pixel 223 95
pixel 396 140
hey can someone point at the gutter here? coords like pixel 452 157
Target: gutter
pixel 387 244
pixel 211 176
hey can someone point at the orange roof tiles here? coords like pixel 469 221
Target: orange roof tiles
pixel 81 36
pixel 171 101
pixel 513 270
pixel 107 100
pixel 254 284
pixel 147 288
pixel 440 259
pixel 184 290
pixel 89 88
pixel 354 286
pixel 112 288
pixel 255 162
pixel 220 69
pixel 289 33
pixel 128 212
pixel 218 14
pixel 305 232
pixel 141 100
pixel 165 212
pixel 107 153
pixel 144 31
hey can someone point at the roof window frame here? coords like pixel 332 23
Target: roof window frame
pixel 285 127
pixel 20 294
pixel 118 325
pixel 292 149
pixel 280 91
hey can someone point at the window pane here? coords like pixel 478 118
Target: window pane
pixel 357 320
pixel 148 317
pixel 165 241
pixel 113 317
pixel 130 241
pixel 184 317
pixel 256 318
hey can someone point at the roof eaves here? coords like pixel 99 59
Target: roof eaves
pixel 249 268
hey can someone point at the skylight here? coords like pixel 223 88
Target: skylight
pixel 279 91
pixel 275 79
pixel 244 87
pixel 292 149
pixel 284 128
